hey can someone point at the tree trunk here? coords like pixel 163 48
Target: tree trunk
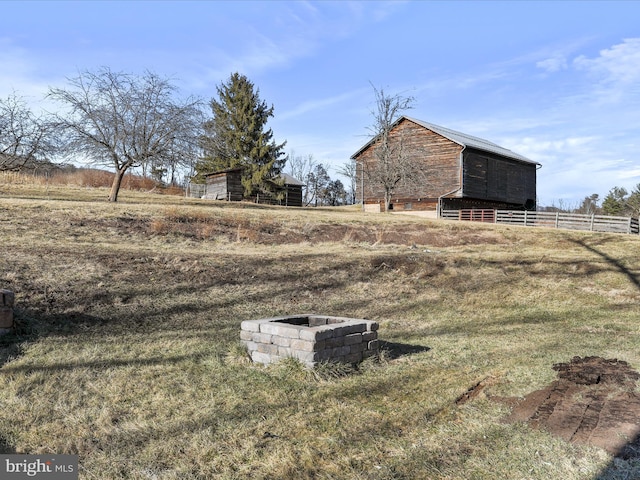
pixel 387 201
pixel 115 186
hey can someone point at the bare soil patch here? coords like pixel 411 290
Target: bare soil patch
pixel 593 402
pixel 264 232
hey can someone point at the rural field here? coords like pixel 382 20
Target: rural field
pixel 126 348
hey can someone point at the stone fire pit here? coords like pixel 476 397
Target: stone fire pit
pixel 310 338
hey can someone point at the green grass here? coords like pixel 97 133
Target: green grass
pixel 128 318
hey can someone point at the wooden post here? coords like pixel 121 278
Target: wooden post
pixel 557 218
pixel 592 221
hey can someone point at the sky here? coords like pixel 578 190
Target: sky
pixel 557 82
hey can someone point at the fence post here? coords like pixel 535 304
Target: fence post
pixel 525 218
pixel 593 216
pixel 629 226
pixel 557 218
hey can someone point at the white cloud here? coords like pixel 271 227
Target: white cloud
pixel 615 71
pixel 553 64
pixel 318 104
pixel 618 64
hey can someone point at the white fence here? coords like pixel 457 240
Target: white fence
pixel 571 221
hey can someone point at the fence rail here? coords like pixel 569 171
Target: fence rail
pixel 570 221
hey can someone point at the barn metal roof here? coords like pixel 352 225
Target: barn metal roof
pixel 461 139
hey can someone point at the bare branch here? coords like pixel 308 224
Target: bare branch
pixel 391 166
pixel 128 121
pixel 25 139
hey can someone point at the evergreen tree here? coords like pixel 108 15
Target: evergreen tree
pixel 633 202
pixel 615 202
pixel 237 137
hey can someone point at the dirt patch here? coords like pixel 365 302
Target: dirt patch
pixel 476 390
pixel 267 232
pixel 593 402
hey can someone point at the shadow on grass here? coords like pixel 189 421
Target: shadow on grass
pixel 626 464
pixel 102 364
pixel 396 350
pixel 5 446
pixel 633 277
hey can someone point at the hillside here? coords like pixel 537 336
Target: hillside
pixel 126 349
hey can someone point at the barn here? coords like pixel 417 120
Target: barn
pixel 227 185
pixel 460 171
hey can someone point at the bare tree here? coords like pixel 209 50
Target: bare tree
pixel 350 171
pixel 126 121
pixel 317 182
pixel 392 167
pixel 25 139
pixel 301 167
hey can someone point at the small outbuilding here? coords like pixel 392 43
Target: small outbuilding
pixel 461 171
pixel 227 185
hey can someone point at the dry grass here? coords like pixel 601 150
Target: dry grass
pixel 126 351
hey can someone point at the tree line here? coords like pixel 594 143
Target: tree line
pixel 130 122
pixel 618 202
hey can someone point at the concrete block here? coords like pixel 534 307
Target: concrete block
pixel 285 352
pixel 250 325
pixel 7 297
pixel 353 338
pixel 368 336
pixel 281 330
pixel 305 356
pixel 251 346
pixel 324 332
pixel 302 345
pixel 6 317
pixel 373 345
pixel 261 337
pixel 371 325
pixel 357 348
pixel 308 334
pixel 280 341
pixel 340 351
pixel 334 342
pixel 246 335
pixel 316 321
pixel 264 358
pixel 267 348
pixel 348 329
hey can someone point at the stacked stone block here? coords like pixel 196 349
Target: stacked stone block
pixel 6 310
pixel 310 338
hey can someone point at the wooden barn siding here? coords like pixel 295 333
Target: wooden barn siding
pixel 294 195
pixel 217 187
pixel 225 186
pixel 439 157
pixel 491 177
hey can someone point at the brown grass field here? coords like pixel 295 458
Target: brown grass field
pixel 126 349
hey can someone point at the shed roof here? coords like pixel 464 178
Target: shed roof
pixel 289 180
pixel 461 139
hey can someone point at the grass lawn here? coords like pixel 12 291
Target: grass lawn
pixel 127 351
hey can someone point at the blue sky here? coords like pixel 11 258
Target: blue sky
pixel 558 82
